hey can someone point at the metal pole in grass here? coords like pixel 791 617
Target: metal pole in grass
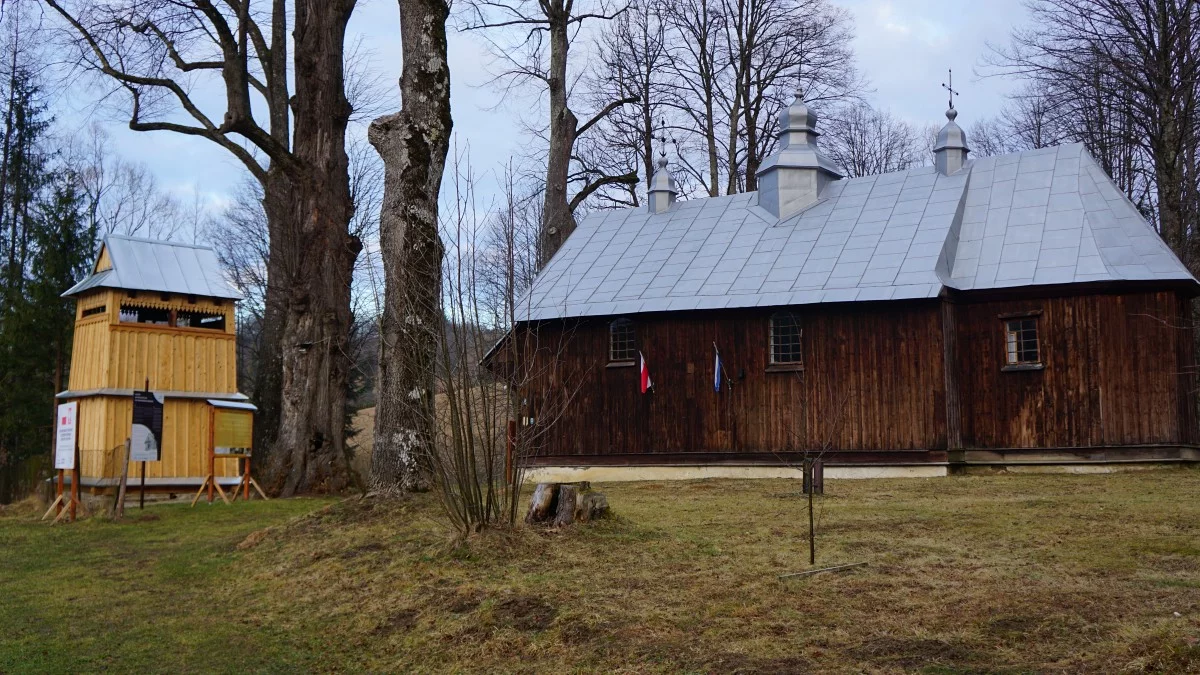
pixel 812 531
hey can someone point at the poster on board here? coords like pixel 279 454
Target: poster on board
pixel 233 433
pixel 64 437
pixel 145 438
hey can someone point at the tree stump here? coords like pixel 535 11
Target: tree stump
pixel 560 504
pixel 592 505
pixel 568 495
pixel 541 505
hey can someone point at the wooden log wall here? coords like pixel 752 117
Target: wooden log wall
pixel 1118 372
pixel 110 354
pixel 871 381
pixel 104 426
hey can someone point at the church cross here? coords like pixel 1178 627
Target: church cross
pixel 950 87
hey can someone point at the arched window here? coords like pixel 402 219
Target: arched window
pixel 785 338
pixel 622 344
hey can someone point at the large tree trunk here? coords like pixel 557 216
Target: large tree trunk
pixel 318 258
pixel 558 221
pixel 413 145
pixel 277 197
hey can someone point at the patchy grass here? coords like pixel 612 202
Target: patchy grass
pixel 151 594
pixel 1010 573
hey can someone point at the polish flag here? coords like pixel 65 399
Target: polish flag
pixel 646 383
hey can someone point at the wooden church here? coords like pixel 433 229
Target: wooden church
pixel 1012 312
pixel 160 313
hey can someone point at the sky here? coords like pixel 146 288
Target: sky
pixel 903 47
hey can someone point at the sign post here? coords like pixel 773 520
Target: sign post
pixel 145 437
pixel 66 453
pixel 231 435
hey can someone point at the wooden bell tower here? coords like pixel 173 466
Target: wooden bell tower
pixel 157 312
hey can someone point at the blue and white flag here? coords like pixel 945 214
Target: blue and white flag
pixel 717 369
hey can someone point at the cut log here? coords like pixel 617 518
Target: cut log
pixel 592 505
pixel 541 505
pixel 568 496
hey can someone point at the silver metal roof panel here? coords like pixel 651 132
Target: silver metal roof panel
pixel 159 266
pixel 1046 216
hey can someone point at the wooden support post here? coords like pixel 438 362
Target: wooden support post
pixel 142 498
pixel 56 504
pixel 212 454
pixel 62 483
pixel 74 507
pixel 510 446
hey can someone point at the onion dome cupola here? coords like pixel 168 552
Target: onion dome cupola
pixel 794 177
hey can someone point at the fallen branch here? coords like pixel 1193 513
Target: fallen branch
pixel 835 568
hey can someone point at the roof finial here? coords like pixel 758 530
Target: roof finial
pixel 800 80
pixel 663 190
pixel 663 140
pixel 950 88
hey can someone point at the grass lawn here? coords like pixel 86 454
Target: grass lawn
pixel 1009 573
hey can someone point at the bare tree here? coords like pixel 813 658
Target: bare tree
pixel 632 64
pixel 413 144
pixel 1028 121
pixel 865 141
pixel 767 42
pixel 123 197
pixel 697 66
pixel 1139 59
pixel 153 51
pixel 735 64
pixel 488 364
pixel 534 41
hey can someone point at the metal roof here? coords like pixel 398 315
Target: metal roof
pixel 1047 216
pixel 160 266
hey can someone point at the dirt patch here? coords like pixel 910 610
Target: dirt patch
pixel 525 612
pixel 373 547
pixel 147 518
pixel 463 602
pixel 254 539
pixel 402 621
pixel 1013 625
pixel 745 664
pixel 912 653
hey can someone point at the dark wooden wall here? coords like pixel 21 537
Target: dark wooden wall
pixel 872 381
pixel 1117 372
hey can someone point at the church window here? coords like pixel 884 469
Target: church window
pixel 785 339
pixel 622 343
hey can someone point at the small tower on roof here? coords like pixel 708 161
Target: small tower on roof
pixel 950 150
pixel 663 190
pixel 795 175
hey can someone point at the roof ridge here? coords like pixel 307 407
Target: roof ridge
pixel 161 242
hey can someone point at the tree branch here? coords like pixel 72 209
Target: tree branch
pixel 630 178
pixel 604 113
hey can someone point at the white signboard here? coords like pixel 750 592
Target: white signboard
pixel 64 441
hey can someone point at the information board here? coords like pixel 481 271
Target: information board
pixel 145 438
pixel 64 438
pixel 233 431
